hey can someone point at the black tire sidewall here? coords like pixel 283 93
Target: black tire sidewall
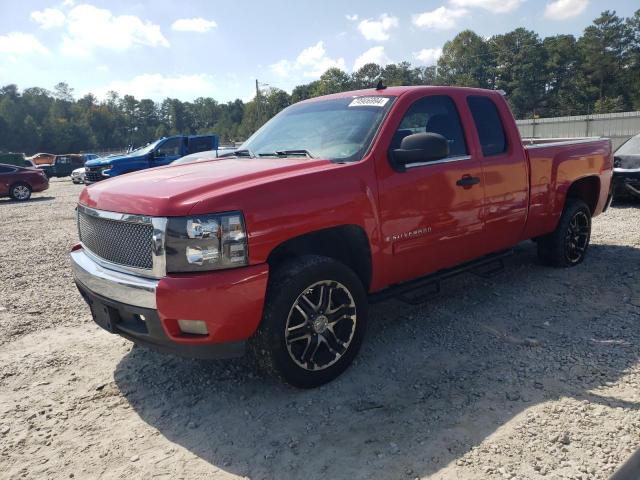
pixel 287 285
pixel 551 248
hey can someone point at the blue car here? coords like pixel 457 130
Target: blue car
pixel 156 154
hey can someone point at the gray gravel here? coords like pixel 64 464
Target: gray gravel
pixel 530 374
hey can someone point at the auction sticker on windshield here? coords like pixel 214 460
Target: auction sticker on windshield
pixel 369 102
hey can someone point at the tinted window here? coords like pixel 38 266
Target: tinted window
pixel 170 148
pixel 4 169
pixel 436 114
pixel 489 125
pixel 200 144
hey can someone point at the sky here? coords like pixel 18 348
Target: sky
pixel 163 48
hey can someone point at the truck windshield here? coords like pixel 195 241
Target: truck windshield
pixel 630 147
pixel 146 149
pixel 338 129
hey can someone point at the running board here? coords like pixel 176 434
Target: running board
pixel 485 267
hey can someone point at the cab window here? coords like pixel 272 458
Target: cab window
pixel 433 114
pixel 489 125
pixel 169 148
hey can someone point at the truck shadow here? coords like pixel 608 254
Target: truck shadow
pixel 431 382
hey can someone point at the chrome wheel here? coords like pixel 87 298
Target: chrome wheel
pixel 21 192
pixel 577 238
pixel 321 325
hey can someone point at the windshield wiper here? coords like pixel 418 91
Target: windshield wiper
pixel 237 153
pixel 288 153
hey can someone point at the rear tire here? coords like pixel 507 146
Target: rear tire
pixel 20 192
pixel 567 245
pixel 313 323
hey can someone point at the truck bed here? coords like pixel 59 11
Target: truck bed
pixel 554 167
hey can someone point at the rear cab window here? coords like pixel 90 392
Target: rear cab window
pixel 489 126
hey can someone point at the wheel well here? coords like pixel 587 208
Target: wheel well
pixel 348 244
pixel 586 189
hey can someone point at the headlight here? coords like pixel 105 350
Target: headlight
pixel 206 242
pixel 105 170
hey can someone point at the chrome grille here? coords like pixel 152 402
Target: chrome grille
pixel 94 174
pixel 124 243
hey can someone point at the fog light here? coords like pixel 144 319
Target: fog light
pixel 195 327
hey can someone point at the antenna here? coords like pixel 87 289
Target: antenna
pixel 380 86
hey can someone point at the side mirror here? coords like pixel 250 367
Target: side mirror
pixel 419 147
pixel 158 154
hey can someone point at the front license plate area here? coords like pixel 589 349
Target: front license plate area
pixel 103 316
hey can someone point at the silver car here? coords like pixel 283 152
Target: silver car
pixel 77 176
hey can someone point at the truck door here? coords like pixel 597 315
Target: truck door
pixel 167 152
pixel 430 214
pixel 504 166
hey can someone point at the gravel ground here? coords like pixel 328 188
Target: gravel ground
pixel 529 374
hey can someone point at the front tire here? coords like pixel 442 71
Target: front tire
pixel 313 323
pixel 20 192
pixel 567 245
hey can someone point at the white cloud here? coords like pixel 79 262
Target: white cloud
pixel 68 3
pixel 442 18
pixel 373 55
pixel 311 62
pixel 496 6
pixel 18 43
pixel 158 87
pixel 377 30
pixel 88 28
pixel 563 9
pixel 352 18
pixel 103 68
pixel 428 56
pixel 48 18
pixel 198 25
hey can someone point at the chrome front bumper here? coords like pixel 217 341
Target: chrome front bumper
pixel 116 286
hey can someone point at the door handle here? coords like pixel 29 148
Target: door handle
pixel 467 181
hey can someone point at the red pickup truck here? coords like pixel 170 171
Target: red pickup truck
pixel 334 202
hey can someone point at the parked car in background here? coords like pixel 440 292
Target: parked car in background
pixel 156 154
pixel 626 171
pixel 19 182
pixel 42 158
pixel 63 165
pixel 335 201
pixel 78 175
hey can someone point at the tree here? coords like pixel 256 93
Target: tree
pixel 520 62
pixel 567 93
pixel 466 61
pixel 366 76
pixel 604 50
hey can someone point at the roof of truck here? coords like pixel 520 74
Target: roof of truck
pixel 397 91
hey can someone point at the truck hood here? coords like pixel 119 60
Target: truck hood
pixel 175 189
pixel 104 161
